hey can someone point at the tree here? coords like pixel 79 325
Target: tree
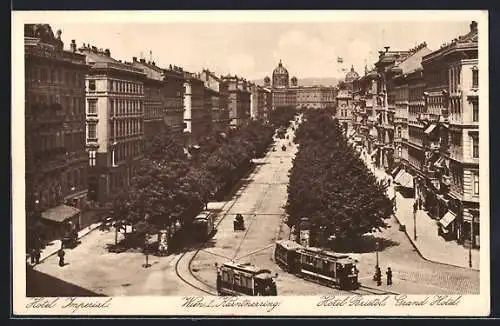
pixel 331 186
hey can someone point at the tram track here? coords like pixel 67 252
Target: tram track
pixel 366 290
pixel 196 282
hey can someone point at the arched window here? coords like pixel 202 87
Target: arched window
pixel 475 77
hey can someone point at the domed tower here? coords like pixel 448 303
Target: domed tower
pixel 280 77
pixel 267 81
pixel 294 81
pixel 351 75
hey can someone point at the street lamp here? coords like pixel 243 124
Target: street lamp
pixel 376 252
pixel 415 222
pixel 471 240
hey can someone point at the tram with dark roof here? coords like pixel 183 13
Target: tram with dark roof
pixel 245 279
pixel 317 265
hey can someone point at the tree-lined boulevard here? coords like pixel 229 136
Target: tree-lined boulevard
pixel 321 177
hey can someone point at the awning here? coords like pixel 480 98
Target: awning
pixel 447 219
pixel 404 179
pixel 60 213
pixel 398 175
pixel 430 128
pixel 395 170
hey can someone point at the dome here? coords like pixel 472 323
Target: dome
pixel 280 76
pixel 280 70
pixel 351 75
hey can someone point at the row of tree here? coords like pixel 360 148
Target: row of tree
pixel 173 182
pixel 331 187
pixel 282 116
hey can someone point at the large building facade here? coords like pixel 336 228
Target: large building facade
pixel 197 115
pixel 154 107
pixel 215 100
pixel 56 160
pixel 287 93
pixel 418 113
pixel 238 100
pixel 451 137
pixel 115 122
pixel 173 97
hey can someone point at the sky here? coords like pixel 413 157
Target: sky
pixel 253 49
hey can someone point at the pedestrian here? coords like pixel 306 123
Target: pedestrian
pixel 389 276
pixel 32 256
pixel 37 255
pixel 61 254
pixel 379 276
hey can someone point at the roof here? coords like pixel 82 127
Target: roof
pixel 414 61
pixel 288 244
pixel 351 75
pixel 467 41
pixel 60 213
pixel 249 268
pixel 280 70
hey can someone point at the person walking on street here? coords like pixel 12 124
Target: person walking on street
pixel 32 256
pixel 61 254
pixel 389 276
pixel 378 276
pixel 37 256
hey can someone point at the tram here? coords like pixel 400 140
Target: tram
pixel 315 264
pixel 245 279
pixel 204 226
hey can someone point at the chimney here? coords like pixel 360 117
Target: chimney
pixel 143 60
pixel 386 48
pixel 73 46
pixel 107 53
pixel 134 59
pixel 153 63
pixel 473 26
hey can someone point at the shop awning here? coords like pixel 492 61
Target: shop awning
pixel 404 179
pixel 398 175
pixel 395 170
pixel 430 128
pixel 60 213
pixel 447 219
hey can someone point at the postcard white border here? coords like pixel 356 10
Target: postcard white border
pixel 470 305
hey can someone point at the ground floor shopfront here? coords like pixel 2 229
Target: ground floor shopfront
pixel 456 220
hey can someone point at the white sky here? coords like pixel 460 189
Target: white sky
pixel 252 49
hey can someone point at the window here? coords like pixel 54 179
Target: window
pixel 92 85
pixel 475 111
pixel 91 158
pixel 476 183
pixel 92 131
pixel 92 106
pixel 475 77
pixel 399 132
pixel 475 147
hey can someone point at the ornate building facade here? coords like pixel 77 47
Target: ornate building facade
pixel 451 137
pixel 286 92
pixel 56 160
pixel 115 122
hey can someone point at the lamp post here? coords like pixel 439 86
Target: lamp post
pixel 376 253
pixel 471 240
pixel 415 222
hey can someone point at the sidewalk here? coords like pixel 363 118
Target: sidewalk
pixel 428 243
pixel 54 246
